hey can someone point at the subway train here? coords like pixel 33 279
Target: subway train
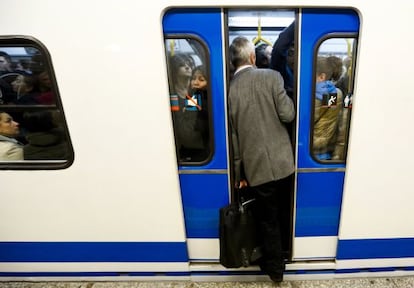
pixel 109 185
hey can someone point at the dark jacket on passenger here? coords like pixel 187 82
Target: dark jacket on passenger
pixel 278 60
pixel 259 108
pixel 50 145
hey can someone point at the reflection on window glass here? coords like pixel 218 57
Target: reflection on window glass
pixel 189 86
pixel 32 126
pixel 24 77
pixel 333 99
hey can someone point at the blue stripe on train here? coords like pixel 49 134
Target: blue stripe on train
pixel 93 252
pixel 375 248
pixel 223 273
pixel 93 274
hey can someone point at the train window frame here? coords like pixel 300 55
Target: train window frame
pixel 354 46
pixel 206 64
pixel 30 45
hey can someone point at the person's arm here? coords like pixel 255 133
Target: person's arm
pixel 285 40
pixel 237 161
pixel 284 104
pixel 239 176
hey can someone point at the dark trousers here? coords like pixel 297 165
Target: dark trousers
pixel 270 212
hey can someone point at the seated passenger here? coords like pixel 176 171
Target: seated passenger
pixel 45 140
pixel 328 104
pixel 10 148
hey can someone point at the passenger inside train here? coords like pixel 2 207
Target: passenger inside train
pixel 263 55
pixel 37 135
pixel 336 53
pixel 10 147
pixel 328 105
pixel 5 63
pixel 189 102
pixel 24 78
pixel 283 57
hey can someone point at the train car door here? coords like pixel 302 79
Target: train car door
pixel 321 162
pixel 193 43
pixel 203 159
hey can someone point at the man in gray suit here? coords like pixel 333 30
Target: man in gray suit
pixel 262 152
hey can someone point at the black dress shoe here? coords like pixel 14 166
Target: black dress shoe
pixel 277 278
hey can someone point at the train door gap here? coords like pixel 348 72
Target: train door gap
pixel 263 27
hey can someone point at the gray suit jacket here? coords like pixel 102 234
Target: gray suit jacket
pixel 258 106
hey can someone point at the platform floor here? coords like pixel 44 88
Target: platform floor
pixel 390 282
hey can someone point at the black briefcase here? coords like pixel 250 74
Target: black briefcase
pixel 239 243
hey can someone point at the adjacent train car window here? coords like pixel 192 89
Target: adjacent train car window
pixel 33 131
pixel 189 82
pixel 332 98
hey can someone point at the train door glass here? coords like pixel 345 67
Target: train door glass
pixel 188 76
pixel 333 99
pixel 33 131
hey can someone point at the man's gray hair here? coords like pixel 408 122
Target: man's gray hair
pixel 240 50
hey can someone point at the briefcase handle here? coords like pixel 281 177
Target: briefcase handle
pixel 240 199
pixel 243 204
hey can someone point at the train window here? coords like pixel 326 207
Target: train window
pixel 332 98
pixel 33 131
pixel 189 85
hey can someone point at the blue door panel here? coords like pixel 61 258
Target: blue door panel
pixel 204 193
pixel 203 196
pixel 318 203
pixel 319 194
